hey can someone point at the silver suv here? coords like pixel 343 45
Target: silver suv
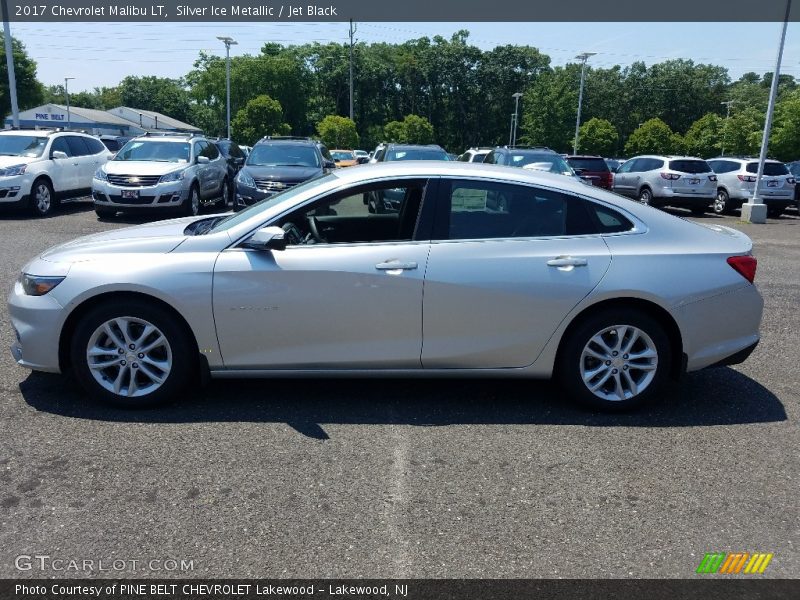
pixel 162 171
pixel 736 180
pixel 668 181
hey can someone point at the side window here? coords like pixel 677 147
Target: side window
pixel 488 210
pixel 653 164
pixel 95 146
pixel 499 159
pixel 608 221
pixel 235 151
pixel 209 150
pixel 366 213
pixel 198 148
pixel 379 154
pixel 627 166
pixel 60 144
pixel 325 153
pixel 77 145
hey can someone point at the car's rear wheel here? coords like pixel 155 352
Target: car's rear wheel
pixel 131 354
pixel 43 199
pixel 646 196
pixel 615 359
pixel 722 204
pixel 225 194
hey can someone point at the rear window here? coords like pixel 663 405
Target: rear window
pixel 689 166
pixel 770 168
pixel 588 164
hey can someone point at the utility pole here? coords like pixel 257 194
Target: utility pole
pixel 516 96
pixel 12 78
pixel 727 104
pixel 228 41
pixel 511 131
pixel 755 211
pixel 352 33
pixel 66 94
pixel 584 56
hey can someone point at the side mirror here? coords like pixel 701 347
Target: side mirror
pixel 58 155
pixel 578 171
pixel 362 160
pixel 203 160
pixel 238 162
pixel 328 164
pixel 267 238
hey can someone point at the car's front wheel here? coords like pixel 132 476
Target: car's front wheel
pixel 191 205
pixel 131 354
pixel 43 199
pixel 615 359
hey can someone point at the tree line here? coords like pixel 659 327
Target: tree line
pixel 452 93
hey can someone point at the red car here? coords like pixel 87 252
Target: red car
pixel 593 168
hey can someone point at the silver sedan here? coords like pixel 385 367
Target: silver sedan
pixel 472 270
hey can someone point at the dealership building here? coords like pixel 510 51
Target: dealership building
pixel 117 121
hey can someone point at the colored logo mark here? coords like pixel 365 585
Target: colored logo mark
pixel 735 562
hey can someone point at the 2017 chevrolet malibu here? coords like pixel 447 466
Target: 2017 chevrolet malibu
pixel 483 271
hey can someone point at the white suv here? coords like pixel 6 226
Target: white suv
pixel 39 168
pixel 684 181
pixel 737 180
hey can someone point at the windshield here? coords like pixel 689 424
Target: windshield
pixel 340 155
pixel 770 168
pixel 418 154
pixel 22 145
pixel 540 161
pixel 151 151
pixel 283 155
pixel 267 203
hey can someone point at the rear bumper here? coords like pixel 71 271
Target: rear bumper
pixel 737 357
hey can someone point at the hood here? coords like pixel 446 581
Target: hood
pixel 10 161
pixel 141 167
pixel 283 173
pixel 154 238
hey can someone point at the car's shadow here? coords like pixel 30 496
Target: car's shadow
pixel 720 396
pixel 66 207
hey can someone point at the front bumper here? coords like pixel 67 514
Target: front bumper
pixel 13 189
pixel 162 195
pixel 37 322
pixel 247 196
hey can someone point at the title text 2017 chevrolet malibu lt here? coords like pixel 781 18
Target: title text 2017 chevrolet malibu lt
pixel 484 270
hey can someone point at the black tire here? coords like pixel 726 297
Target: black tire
pixel 192 204
pixel 722 205
pixel 178 350
pixel 571 360
pixel 225 194
pixel 103 212
pixel 43 200
pixel 646 196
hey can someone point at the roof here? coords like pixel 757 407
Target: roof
pixel 98 116
pixel 165 120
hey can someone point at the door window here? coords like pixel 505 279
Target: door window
pixel 60 145
pixel 77 145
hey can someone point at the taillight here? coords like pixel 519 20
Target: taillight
pixel 670 176
pixel 712 177
pixel 747 178
pixel 745 266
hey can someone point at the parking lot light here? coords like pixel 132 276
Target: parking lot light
pixel 583 57
pixel 66 94
pixel 755 211
pixel 228 41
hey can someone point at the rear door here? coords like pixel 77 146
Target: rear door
pixel 506 265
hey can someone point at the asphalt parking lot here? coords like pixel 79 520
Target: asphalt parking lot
pixel 409 478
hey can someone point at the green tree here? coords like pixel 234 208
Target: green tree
pixel 338 132
pixel 394 131
pixel 744 131
pixel 598 136
pixel 159 94
pixel 30 92
pixel 652 137
pixel 549 107
pixel 785 138
pixel 705 136
pixel 260 117
pixel 413 129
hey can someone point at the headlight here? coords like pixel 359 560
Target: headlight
pixel 13 170
pixel 246 179
pixel 35 285
pixel 101 175
pixel 173 176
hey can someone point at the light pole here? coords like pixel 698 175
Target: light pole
pixel 66 93
pixel 228 41
pixel 727 104
pixel 755 211
pixel 583 57
pixel 12 79
pixel 516 96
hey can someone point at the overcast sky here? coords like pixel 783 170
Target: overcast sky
pixel 101 54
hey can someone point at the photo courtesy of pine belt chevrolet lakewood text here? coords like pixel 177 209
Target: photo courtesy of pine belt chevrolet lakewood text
pixel 466 270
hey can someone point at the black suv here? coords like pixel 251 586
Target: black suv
pixel 278 163
pixel 390 152
pixel 234 157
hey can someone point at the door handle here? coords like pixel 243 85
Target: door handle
pixel 567 261
pixel 395 265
